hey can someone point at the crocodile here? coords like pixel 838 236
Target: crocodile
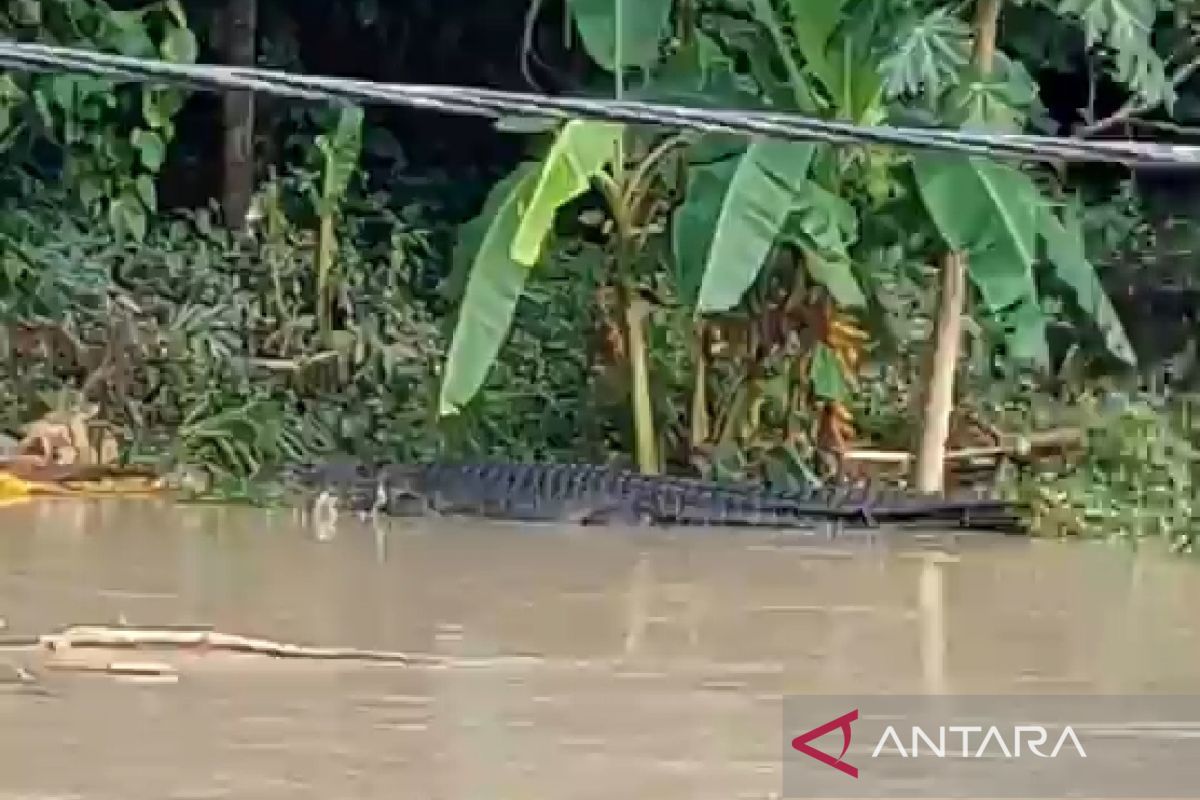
pixel 590 494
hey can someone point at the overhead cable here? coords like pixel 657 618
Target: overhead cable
pixel 496 104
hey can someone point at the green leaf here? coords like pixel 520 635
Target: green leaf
pixel 861 86
pixel 41 101
pixel 836 276
pixel 1127 27
pixel 91 190
pixel 341 150
pixel 758 55
pixel 150 147
pixel 180 46
pixel 581 151
pixel 988 210
pixel 146 192
pixel 1025 327
pixel 768 184
pixel 128 217
pixel 692 67
pixel 62 89
pixel 493 287
pixel 927 56
pixel 698 75
pixel 843 61
pixel 175 9
pixel 1001 101
pixel 825 375
pixel 160 104
pixel 10 92
pixel 26 12
pixel 824 226
pixel 828 222
pixel 813 24
pixel 126 32
pixel 695 221
pixel 644 24
pixel 1065 250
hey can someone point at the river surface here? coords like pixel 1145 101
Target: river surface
pixel 553 663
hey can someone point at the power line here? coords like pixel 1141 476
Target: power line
pixel 495 104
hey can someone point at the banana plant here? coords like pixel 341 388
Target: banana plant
pixel 339 151
pixel 499 247
pixel 860 61
pixel 508 240
pixel 767 194
pixel 498 250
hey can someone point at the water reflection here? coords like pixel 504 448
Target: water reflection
pixel 580 663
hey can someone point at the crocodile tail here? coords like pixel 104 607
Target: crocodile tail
pixel 938 508
pixel 741 508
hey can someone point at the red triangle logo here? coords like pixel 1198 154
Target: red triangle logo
pixel 801 743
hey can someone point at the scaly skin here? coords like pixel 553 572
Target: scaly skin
pixel 596 495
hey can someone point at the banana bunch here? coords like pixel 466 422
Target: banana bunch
pixel 846 340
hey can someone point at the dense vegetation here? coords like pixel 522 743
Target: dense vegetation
pixel 406 284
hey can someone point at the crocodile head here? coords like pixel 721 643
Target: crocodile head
pixel 333 475
pixel 399 486
pixel 401 480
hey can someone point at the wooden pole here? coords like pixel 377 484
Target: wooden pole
pixel 930 467
pixel 237 183
pixel 939 389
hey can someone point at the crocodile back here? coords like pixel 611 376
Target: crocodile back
pixel 589 492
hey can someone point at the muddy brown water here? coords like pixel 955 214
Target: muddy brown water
pixel 575 663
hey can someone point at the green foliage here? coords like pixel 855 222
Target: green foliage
pixel 522 211
pixel 217 361
pixel 493 288
pixel 643 26
pixel 762 193
pixel 826 375
pixel 989 211
pixel 579 153
pixel 1063 236
pixel 45 270
pixel 741 208
pixel 1126 28
pixel 112 140
pixel 340 150
pixel 695 222
pixel 825 230
pixel 318 329
pixel 930 56
pixel 1136 479
pixel 201 345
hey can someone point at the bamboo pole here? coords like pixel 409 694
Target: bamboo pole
pixel 930 467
